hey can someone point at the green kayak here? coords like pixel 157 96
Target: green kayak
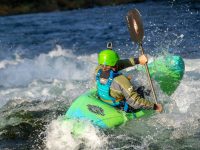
pixel 167 71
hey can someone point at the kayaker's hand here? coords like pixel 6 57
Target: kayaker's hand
pixel 143 59
pixel 158 107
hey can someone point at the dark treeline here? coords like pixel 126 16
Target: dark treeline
pixel 9 7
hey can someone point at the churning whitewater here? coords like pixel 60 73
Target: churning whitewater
pixel 180 121
pixel 48 59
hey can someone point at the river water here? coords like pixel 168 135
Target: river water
pixel 48 59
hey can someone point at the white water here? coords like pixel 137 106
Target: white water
pixel 60 74
pixel 184 111
pixel 56 74
pixel 57 64
pixel 60 136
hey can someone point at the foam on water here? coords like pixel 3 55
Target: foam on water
pixel 60 135
pixel 182 114
pixel 56 74
pixel 57 64
pixel 188 92
pixel 60 74
pixel 5 63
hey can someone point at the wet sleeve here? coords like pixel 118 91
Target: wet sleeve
pixel 125 63
pixel 96 70
pixel 95 74
pixel 131 95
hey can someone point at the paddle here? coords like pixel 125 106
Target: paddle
pixel 136 30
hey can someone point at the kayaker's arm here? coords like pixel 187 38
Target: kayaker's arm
pixel 125 63
pixel 96 70
pixel 130 94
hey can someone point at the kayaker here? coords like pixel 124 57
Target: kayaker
pixel 115 88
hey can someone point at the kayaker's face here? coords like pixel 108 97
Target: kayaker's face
pixel 107 68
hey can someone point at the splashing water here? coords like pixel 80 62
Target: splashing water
pixel 56 74
pixel 37 80
pixel 60 135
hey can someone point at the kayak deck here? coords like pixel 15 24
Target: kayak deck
pixel 89 107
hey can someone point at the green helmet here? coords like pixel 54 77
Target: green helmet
pixel 108 57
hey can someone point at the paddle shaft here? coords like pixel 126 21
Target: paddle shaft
pixel 136 29
pixel 148 75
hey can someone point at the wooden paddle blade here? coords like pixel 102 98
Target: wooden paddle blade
pixel 135 26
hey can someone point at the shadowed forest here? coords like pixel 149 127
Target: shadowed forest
pixel 11 7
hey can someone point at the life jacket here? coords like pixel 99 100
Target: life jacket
pixel 103 90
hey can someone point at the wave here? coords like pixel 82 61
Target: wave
pixel 58 73
pixel 57 64
pixel 47 84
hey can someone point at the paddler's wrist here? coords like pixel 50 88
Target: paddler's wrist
pixel 155 107
pixel 140 60
pixel 136 60
pixel 158 107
